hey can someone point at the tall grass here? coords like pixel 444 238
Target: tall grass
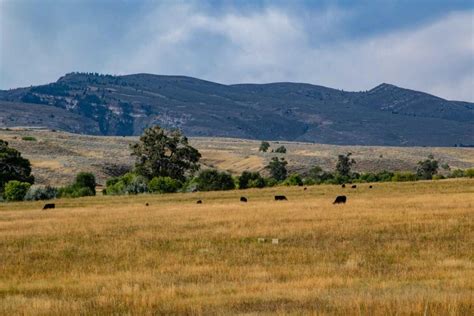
pixel 396 249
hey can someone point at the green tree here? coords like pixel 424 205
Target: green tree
pixel 277 168
pixel 162 153
pixel 427 168
pixel 13 166
pixel 213 180
pixel 344 165
pixel 163 185
pixel 281 150
pixel 264 146
pixel 16 190
pixel 251 180
pixel 85 180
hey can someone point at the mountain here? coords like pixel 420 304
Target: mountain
pixel 125 105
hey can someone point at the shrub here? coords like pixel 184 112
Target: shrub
pixel 37 193
pixel 294 179
pixel 129 183
pixel 250 180
pixel 16 190
pixel 385 176
pixel 163 185
pixel 427 168
pixel 85 180
pixel 281 150
pixel 29 138
pixel 404 176
pixel 84 185
pixel 213 180
pixel 271 182
pixel 264 146
pixel 72 191
pixel 469 173
pixel 438 177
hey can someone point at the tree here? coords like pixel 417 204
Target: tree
pixel 344 164
pixel 427 168
pixel 213 180
pixel 16 190
pixel 85 180
pixel 264 146
pixel 251 180
pixel 162 153
pixel 281 150
pixel 13 166
pixel 277 168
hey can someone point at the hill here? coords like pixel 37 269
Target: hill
pixel 124 105
pixel 57 156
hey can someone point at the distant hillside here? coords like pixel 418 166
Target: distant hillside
pixel 125 105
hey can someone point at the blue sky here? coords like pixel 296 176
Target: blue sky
pixel 426 45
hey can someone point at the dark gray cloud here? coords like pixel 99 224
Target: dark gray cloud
pixel 341 44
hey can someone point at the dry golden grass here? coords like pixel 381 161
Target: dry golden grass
pixel 396 249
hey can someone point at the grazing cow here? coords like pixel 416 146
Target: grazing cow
pixel 280 198
pixel 370 187
pixel 49 206
pixel 343 185
pixel 354 186
pixel 199 202
pixel 146 204
pixel 305 188
pixel 340 199
pixel 243 199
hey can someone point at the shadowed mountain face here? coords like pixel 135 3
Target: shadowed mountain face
pixel 125 105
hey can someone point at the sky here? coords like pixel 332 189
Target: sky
pixel 425 45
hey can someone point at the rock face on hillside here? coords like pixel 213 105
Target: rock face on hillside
pixel 125 105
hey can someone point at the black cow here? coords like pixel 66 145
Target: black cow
pixel 280 198
pixel 198 202
pixel 243 199
pixel 340 199
pixel 49 206
pixel 305 188
pixel 146 204
pixel 343 185
pixel 370 187
pixel 354 186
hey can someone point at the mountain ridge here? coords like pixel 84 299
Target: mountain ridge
pixel 124 105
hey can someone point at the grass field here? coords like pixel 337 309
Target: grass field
pixel 396 249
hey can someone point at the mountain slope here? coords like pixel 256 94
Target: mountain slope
pixel 125 105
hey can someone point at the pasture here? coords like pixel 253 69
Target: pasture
pixel 395 249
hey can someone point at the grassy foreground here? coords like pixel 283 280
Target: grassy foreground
pixel 396 249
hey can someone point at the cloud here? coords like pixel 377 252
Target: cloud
pixel 267 43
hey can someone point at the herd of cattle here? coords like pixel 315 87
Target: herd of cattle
pixel 340 199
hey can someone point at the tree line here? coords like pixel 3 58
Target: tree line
pixel 165 162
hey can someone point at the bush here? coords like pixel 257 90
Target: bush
pixel 84 185
pixel 85 180
pixel 438 177
pixel 37 193
pixel 294 179
pixel 469 173
pixel 72 191
pixel 404 176
pixel 213 180
pixel 29 138
pixel 163 185
pixel 271 182
pixel 250 180
pixel 16 190
pixel 281 150
pixel 129 183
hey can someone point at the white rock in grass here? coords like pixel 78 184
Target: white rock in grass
pixel 275 241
